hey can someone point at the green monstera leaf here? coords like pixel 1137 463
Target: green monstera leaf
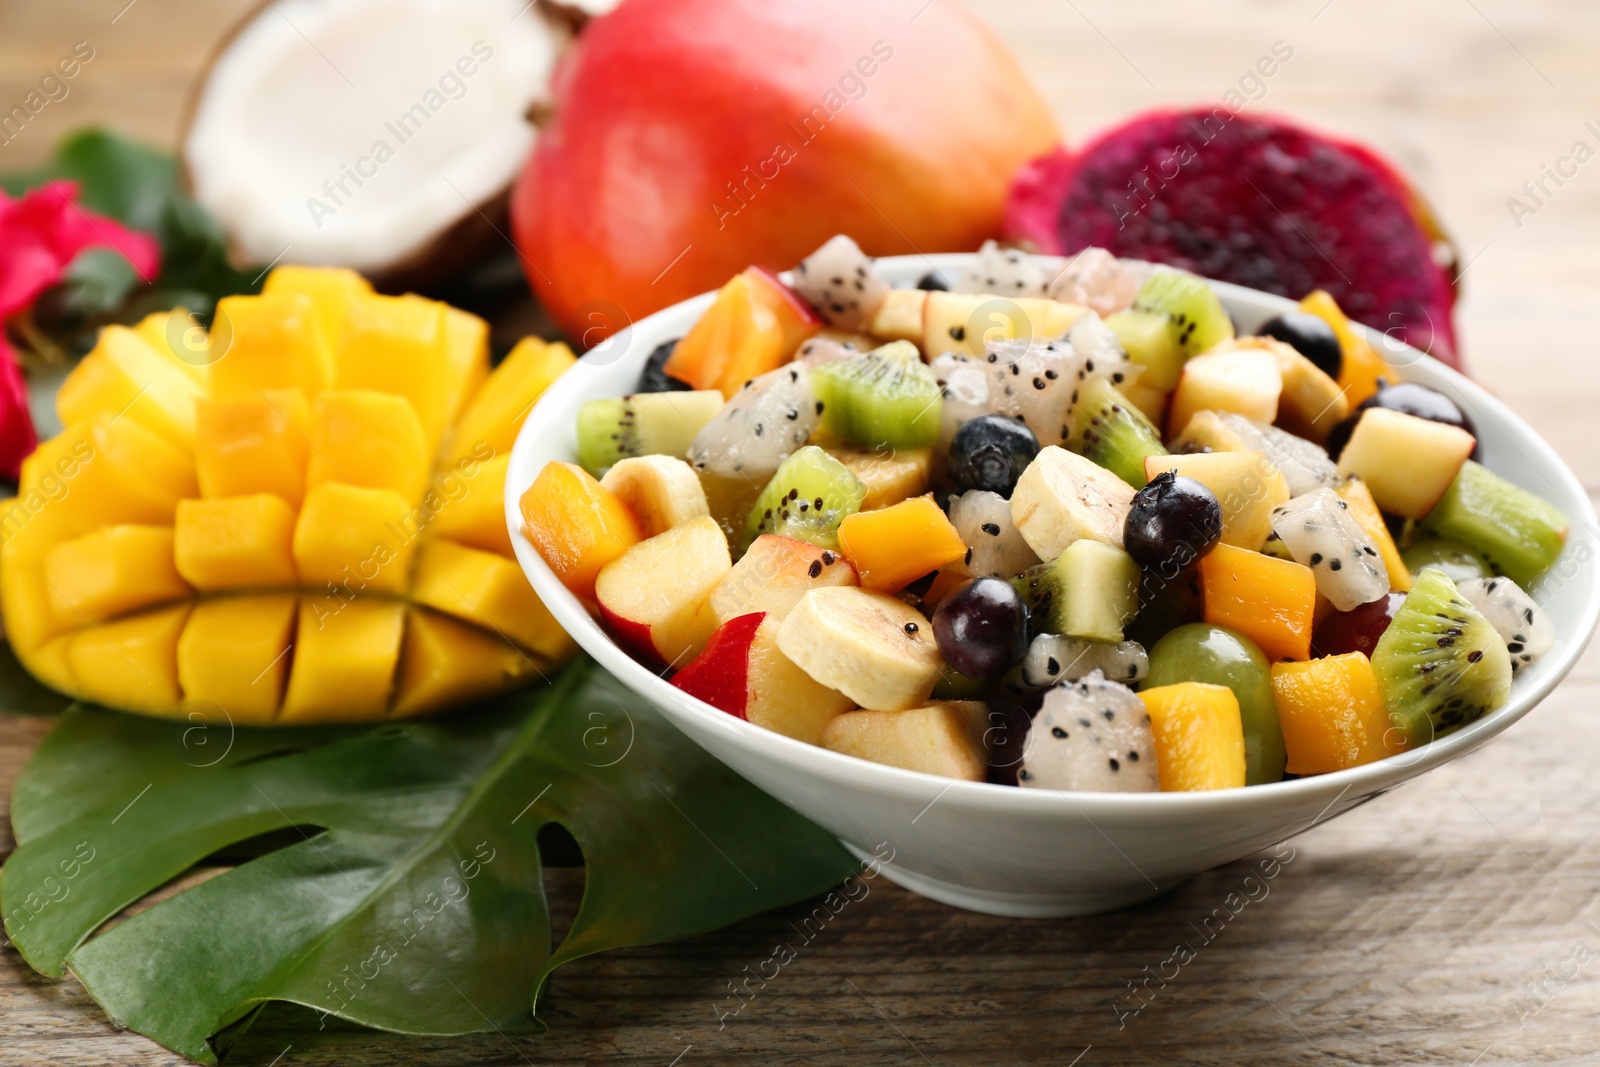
pixel 397 878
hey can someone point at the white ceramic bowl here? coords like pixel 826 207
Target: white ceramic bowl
pixel 1029 852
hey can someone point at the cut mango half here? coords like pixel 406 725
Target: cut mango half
pixel 297 519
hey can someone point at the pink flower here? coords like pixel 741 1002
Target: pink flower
pixel 41 233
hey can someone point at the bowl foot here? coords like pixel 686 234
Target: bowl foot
pixel 1016 905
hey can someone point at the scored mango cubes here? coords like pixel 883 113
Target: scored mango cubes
pixel 296 517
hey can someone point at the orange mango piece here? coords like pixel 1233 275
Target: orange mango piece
pixel 345 654
pixel 1362 366
pixel 898 544
pixel 234 654
pixel 236 542
pixel 1365 511
pixel 330 289
pixel 1271 601
pixel 1199 736
pixel 364 437
pixel 131 663
pixel 445 662
pixel 112 571
pixel 739 337
pixel 1332 713
pixel 272 341
pixel 113 470
pixel 577 525
pixel 254 444
pixel 398 344
pixel 488 425
pixel 124 377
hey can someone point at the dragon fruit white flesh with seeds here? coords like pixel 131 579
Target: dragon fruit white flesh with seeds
pixel 996 548
pixel 840 281
pixel 764 423
pixel 1090 735
pixel 1052 658
pixel 1002 271
pixel 1319 532
pixel 1523 625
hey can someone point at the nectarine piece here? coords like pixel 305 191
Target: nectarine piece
pixel 1199 736
pixel 577 525
pixel 1333 714
pixel 900 543
pixel 1271 601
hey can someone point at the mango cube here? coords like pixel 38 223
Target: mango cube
pixel 31 533
pixel 489 425
pixel 398 345
pixel 364 437
pixel 466 339
pixel 124 377
pixel 236 542
pixel 272 341
pixel 344 660
pixel 131 663
pixel 234 654
pixel 445 662
pixel 330 290
pixel 254 444
pixel 355 538
pixel 121 471
pixel 488 591
pixel 112 571
pixel 471 507
pixel 177 336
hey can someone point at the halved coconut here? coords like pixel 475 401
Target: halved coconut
pixel 381 135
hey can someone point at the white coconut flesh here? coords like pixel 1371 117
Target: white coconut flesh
pixel 354 132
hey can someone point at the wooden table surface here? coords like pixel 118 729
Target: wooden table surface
pixel 1449 922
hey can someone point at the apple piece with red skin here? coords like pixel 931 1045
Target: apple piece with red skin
pixel 655 598
pixel 743 672
pixel 666 168
pixel 1226 184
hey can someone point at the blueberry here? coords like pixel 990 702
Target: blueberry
pixel 933 281
pixel 655 378
pixel 991 452
pixel 1309 335
pixel 982 628
pixel 1172 522
pixel 1409 398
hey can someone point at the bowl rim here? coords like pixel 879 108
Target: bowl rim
pixel 560 401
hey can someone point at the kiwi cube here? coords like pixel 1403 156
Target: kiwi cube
pixel 1520 533
pixel 1110 429
pixel 886 399
pixel 1091 591
pixel 1175 316
pixel 613 429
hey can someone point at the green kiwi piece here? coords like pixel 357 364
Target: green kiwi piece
pixel 885 399
pixel 1440 664
pixel 1457 560
pixel 1110 430
pixel 1520 533
pixel 1091 591
pixel 641 424
pixel 807 499
pixel 1175 316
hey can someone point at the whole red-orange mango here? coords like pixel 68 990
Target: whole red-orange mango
pixel 693 138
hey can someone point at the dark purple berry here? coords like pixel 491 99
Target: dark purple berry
pixel 655 378
pixel 982 628
pixel 1172 522
pixel 933 281
pixel 991 452
pixel 1309 335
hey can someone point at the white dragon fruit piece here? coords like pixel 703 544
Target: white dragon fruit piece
pixel 1090 735
pixel 759 427
pixel 1319 532
pixel 1002 271
pixel 1052 658
pixel 1305 464
pixel 816 351
pixel 841 282
pixel 1098 280
pixel 995 548
pixel 1031 382
pixel 1524 626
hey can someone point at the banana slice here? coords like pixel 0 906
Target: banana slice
pixel 876 650
pixel 1062 498
pixel 661 491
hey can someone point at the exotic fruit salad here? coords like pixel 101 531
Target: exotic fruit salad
pixel 296 519
pixel 1050 523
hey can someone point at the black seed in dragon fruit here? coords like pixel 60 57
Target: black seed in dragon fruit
pixel 1090 736
pixel 1525 627
pixel 841 282
pixel 1319 532
pixel 762 425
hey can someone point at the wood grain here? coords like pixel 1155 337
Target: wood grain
pixel 1452 921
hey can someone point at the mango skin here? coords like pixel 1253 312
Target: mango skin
pixel 305 529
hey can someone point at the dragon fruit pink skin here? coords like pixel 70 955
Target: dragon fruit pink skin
pixel 1224 184
pixel 1320 533
pixel 841 282
pixel 1090 735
